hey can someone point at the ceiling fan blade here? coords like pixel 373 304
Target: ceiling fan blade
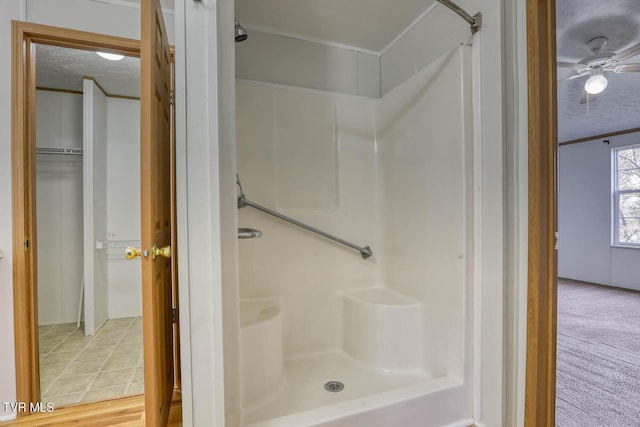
pixel 626 54
pixel 628 68
pixel 566 64
pixel 575 76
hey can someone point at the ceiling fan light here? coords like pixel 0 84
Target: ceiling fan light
pixel 595 84
pixel 110 56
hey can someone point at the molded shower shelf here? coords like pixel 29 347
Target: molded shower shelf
pixel 258 310
pixel 262 363
pixel 382 296
pixel 382 328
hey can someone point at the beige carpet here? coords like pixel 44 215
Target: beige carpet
pixel 598 359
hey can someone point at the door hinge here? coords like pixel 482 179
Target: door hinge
pixel 26 244
pixel 555 240
pixel 171 97
pixel 173 315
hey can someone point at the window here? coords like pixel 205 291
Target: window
pixel 626 196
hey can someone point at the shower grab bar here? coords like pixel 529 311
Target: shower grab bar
pixel 366 251
pixel 474 21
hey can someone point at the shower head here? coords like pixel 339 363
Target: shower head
pixel 241 33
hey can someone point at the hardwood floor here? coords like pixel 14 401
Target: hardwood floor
pixel 126 411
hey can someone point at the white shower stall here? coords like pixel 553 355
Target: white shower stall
pixel 378 150
pixel 87 172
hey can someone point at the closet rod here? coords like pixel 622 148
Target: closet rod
pixel 60 151
pixel 109 244
pixel 474 21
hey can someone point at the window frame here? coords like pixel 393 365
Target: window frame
pixel 615 199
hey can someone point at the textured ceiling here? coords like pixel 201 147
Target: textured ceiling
pixel 62 68
pixel 365 24
pixel 618 107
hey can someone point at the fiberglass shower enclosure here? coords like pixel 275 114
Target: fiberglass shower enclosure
pixel 379 154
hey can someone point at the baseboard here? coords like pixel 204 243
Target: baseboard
pixel 478 424
pixel 7 417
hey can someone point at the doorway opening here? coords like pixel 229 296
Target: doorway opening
pixel 30 164
pixel 542 321
pixel 90 299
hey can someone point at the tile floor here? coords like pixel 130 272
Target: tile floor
pixel 75 368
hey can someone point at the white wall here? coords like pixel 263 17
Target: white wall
pixel 96 273
pixel 119 18
pixel 9 9
pixel 312 157
pixel 123 205
pixel 59 207
pixel 584 216
pixel 425 142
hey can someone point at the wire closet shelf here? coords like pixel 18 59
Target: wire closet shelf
pixel 64 151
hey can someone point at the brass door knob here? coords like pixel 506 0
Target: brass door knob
pixel 131 253
pixel 165 252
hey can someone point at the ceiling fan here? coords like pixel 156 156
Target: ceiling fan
pixel 600 62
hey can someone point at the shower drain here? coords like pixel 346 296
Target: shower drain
pixel 334 386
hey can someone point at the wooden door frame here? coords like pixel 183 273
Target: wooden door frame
pixel 23 95
pixel 542 256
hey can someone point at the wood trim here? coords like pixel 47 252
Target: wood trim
pixel 603 135
pixel 108 95
pixel 177 374
pixel 127 411
pixel 75 39
pixel 23 89
pixel 132 98
pixel 23 225
pixel 542 270
pixel 51 89
pixel 77 92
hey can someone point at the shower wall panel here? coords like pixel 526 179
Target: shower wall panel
pixel 419 46
pixel 403 171
pixel 291 61
pixel 311 155
pixel 306 152
pixel 425 139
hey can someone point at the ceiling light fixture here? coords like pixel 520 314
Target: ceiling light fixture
pixel 111 56
pixel 596 83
